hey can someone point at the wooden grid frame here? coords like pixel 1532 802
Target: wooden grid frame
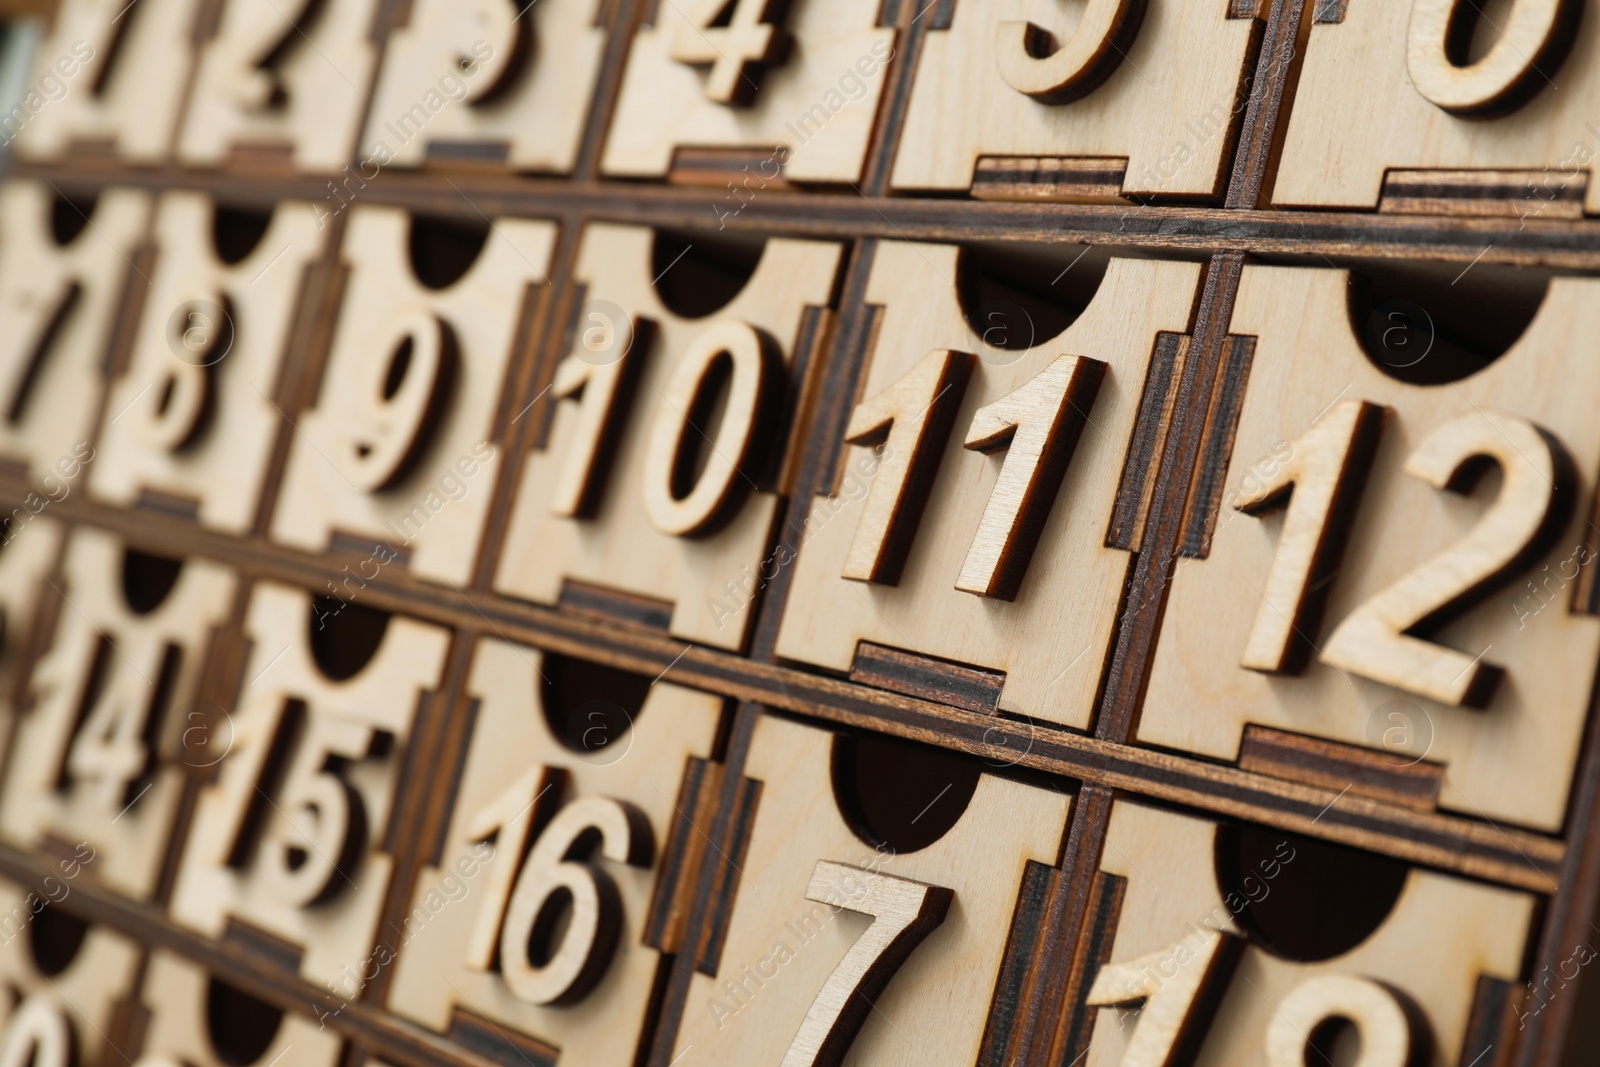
pixel 1565 869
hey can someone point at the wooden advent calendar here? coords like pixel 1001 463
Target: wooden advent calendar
pixel 740 533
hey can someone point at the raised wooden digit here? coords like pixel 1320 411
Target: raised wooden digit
pixel 409 369
pixel 1504 76
pixel 37 1035
pixel 1032 61
pixel 200 335
pixel 321 827
pixel 507 820
pixel 1535 500
pixel 602 388
pixel 274 29
pixel 1038 427
pixel 677 501
pixel 1172 984
pixel 1387 1039
pixel 1319 484
pixel 903 912
pixel 590 938
pixel 737 51
pixel 911 421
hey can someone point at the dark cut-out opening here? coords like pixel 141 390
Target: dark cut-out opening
pixel 1300 898
pixel 705 416
pixel 54 938
pixel 240 1028
pixel 588 706
pixel 237 231
pixel 399 363
pixel 698 274
pixel 147 579
pixel 1019 298
pixel 344 636
pixel 1427 325
pixel 444 250
pixel 1335 1042
pixel 900 796
pixel 69 217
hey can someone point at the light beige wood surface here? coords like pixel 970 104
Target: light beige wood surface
pixel 1442 934
pixel 92 708
pixel 529 93
pixel 518 773
pixel 819 103
pixel 197 305
pixel 311 98
pixel 630 543
pixel 179 1030
pixel 310 811
pixel 1340 143
pixel 135 104
pixel 76 1003
pixel 50 433
pixel 1166 106
pixel 1051 638
pixel 28 551
pixel 782 949
pixel 365 463
pixel 1508 760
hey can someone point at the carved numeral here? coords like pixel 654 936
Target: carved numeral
pixel 410 367
pixel 109 749
pixel 1535 498
pixel 37 1035
pixel 737 38
pixel 903 914
pixel 678 500
pixel 1320 483
pixel 1387 1039
pixel 476 23
pixel 1169 983
pixel 602 387
pixel 911 420
pixel 515 918
pixel 1038 427
pixel 176 408
pixel 1032 61
pixel 42 328
pixel 277 29
pixel 1505 75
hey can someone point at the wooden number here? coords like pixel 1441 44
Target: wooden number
pixel 737 43
pixel 507 820
pixel 1038 425
pixel 1032 61
pixel 37 1035
pixel 1535 495
pixel 278 28
pixel 601 385
pixel 1385 1028
pixel 478 22
pixel 322 827
pixel 911 420
pixel 1501 77
pixel 408 374
pixel 570 969
pixel 674 506
pixel 26 361
pixel 1320 482
pixel 175 408
pixel 903 913
pixel 109 749
pixel 1171 983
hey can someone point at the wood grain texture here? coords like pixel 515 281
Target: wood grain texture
pixel 221 333
pixel 1499 763
pixel 1185 60
pixel 487 73
pixel 513 739
pixel 1055 678
pixel 761 1002
pixel 98 757
pixel 1440 935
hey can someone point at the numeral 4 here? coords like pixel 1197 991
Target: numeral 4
pixel 737 38
pixel 903 914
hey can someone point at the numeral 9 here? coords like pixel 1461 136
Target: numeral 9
pixel 403 390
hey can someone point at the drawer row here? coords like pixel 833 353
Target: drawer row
pixel 1123 100
pixel 1388 545
pixel 606 873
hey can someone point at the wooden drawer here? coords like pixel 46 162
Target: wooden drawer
pixel 1512 133
pixel 1139 98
